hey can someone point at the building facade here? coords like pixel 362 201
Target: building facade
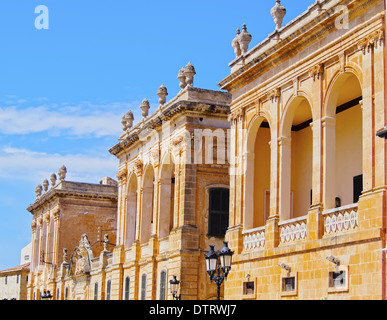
pixel 69 224
pixel 13 282
pixel 173 194
pixel 308 184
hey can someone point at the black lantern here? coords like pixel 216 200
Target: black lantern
pixel 175 288
pixel 225 257
pixel 46 295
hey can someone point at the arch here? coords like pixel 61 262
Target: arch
pixel 343 137
pixel 296 145
pixel 131 210
pixel 147 203
pixel 167 196
pixel 341 79
pixel 258 172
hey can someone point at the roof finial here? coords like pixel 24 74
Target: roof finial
pixel 278 13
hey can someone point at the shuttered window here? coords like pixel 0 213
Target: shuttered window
pixel 127 286
pixel 218 212
pixel 163 280
pixel 143 287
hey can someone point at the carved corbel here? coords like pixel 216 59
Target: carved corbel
pixel 274 94
pixel 316 71
pixel 138 167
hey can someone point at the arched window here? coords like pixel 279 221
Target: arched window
pixel 127 288
pixel 218 213
pixel 143 287
pixel 163 284
pixel 96 291
pixel 108 289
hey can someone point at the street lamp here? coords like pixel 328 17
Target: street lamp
pixel 175 288
pixel 225 257
pixel 46 295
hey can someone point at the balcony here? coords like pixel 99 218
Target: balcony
pixel 254 239
pixel 293 230
pixel 341 219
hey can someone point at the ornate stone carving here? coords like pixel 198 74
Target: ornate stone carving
pixel 62 173
pixel 127 121
pixel 145 107
pixel 181 77
pixel 274 94
pixel 45 185
pixel 374 39
pixel 189 72
pixel 278 13
pixel 244 39
pixel 80 261
pixel 138 166
pixel 235 44
pixel 162 93
pixel 38 191
pixel 316 71
pixel 53 180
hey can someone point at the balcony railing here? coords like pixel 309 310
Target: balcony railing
pixel 293 230
pixel 341 219
pixel 254 239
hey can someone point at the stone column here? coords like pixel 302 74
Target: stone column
pixel 329 162
pixel 285 177
pixel 368 110
pixel 380 116
pixel 249 162
pixel 55 245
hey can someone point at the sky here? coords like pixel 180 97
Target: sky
pixel 64 90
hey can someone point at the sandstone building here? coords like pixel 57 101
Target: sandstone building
pixel 308 184
pixel 173 194
pixel 69 224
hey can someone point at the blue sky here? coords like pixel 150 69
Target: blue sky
pixel 64 90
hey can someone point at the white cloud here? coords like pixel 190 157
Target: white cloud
pixel 84 119
pixel 27 165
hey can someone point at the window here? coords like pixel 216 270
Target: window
pixel 108 289
pixel 218 212
pixel 96 291
pixel 17 278
pixel 6 279
pixel 57 294
pixel 127 288
pixel 288 284
pixel 143 287
pixel 67 293
pixel 357 188
pixel 337 279
pixel 163 280
pixel 249 288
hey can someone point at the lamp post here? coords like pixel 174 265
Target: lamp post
pixel 221 269
pixel 46 295
pixel 175 288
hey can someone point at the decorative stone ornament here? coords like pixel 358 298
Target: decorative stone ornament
pixel 53 180
pixel 278 13
pixel 244 39
pixel 235 44
pixel 62 173
pixel 38 191
pixel 45 185
pixel 189 72
pixel 145 108
pixel 162 92
pixel 127 121
pixel 181 77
